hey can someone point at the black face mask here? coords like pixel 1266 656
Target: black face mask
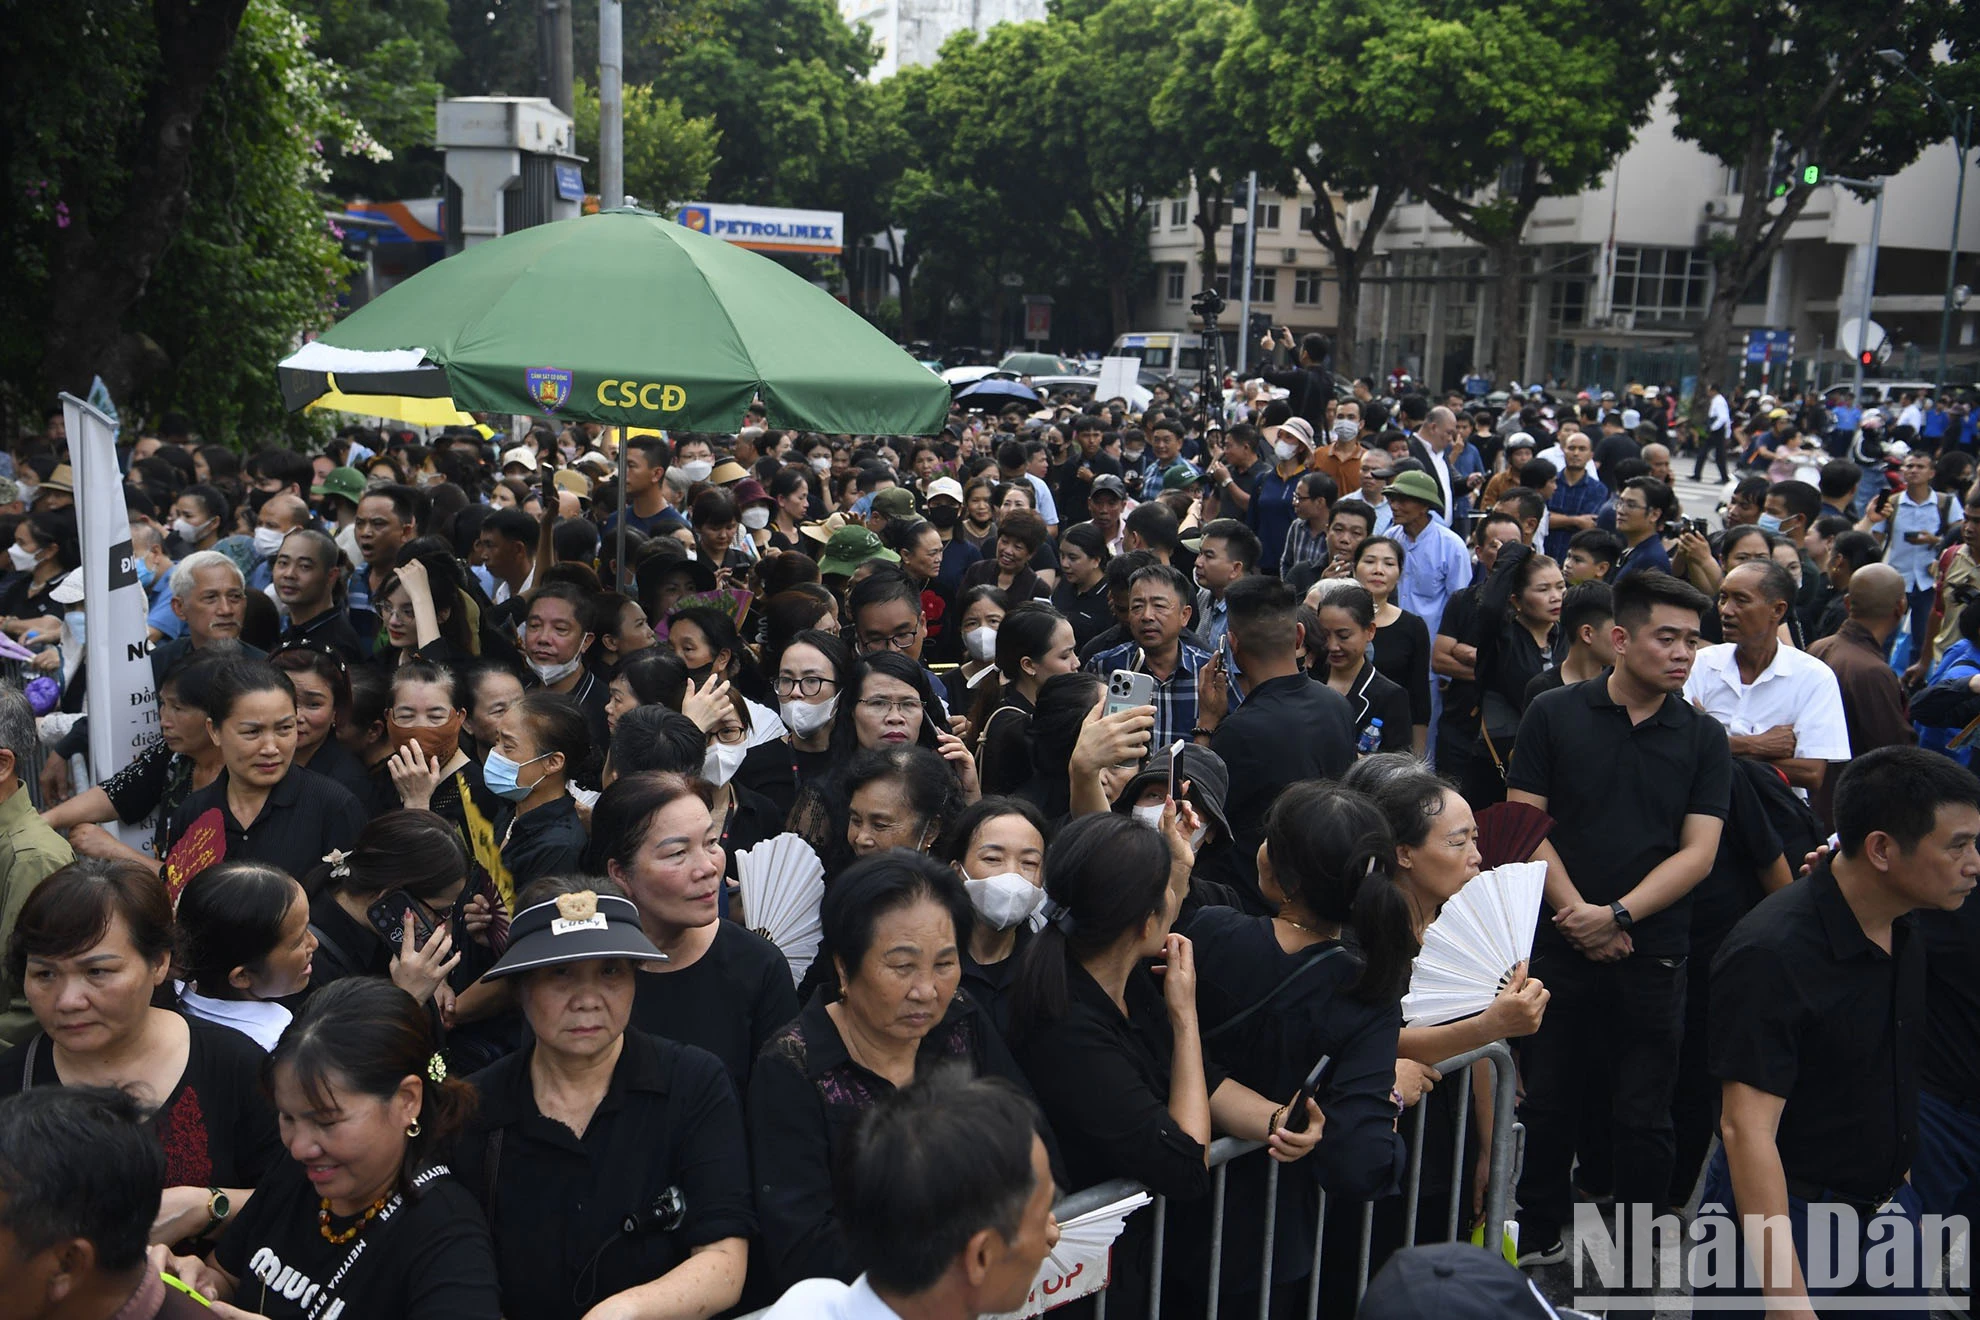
pixel 944 516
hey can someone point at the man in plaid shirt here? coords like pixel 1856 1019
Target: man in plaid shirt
pixel 1158 611
pixel 1578 497
pixel 1313 506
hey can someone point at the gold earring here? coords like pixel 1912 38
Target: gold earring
pixel 412 1128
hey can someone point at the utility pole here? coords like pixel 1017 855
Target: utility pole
pixel 1250 245
pixel 554 31
pixel 611 111
pixel 1961 122
pixel 1869 270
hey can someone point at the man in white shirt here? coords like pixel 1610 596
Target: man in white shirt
pixel 1912 415
pixel 1718 433
pixel 1777 704
pixel 947 1204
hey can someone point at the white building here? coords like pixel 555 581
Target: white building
pixel 911 32
pixel 1620 275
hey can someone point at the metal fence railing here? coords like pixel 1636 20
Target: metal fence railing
pixel 1506 1150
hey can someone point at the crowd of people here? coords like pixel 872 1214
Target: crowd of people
pixel 1138 752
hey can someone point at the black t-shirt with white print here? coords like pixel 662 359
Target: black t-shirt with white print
pixel 430 1261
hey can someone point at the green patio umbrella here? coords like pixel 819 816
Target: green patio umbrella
pixel 629 319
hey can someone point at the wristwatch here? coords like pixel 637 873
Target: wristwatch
pixel 218 1207
pixel 1623 920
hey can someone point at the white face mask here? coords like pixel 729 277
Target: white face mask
pixel 1285 450
pixel 1150 815
pixel 556 673
pixel 805 718
pixel 28 492
pixel 981 643
pixel 189 532
pixel 697 470
pixel 1345 430
pixel 267 541
pixel 756 517
pixel 22 560
pixel 821 465
pixel 719 766
pixel 1003 900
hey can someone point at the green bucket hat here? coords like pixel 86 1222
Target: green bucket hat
pixel 849 548
pixel 1417 486
pixel 344 482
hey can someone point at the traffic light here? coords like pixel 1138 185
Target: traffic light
pixel 1868 358
pixel 1811 175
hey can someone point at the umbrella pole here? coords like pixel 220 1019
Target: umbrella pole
pixel 625 514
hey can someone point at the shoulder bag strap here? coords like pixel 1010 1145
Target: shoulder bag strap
pixel 1229 1024
pixel 367 1244
pixel 27 1068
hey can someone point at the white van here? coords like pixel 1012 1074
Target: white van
pixel 1164 352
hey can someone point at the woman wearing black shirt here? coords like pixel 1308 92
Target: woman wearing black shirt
pixel 723 988
pixel 593 1126
pixel 322 680
pixel 1082 591
pixel 262 807
pixel 91 946
pixel 545 743
pixel 812 673
pixel 1278 994
pixel 1402 641
pixel 1346 617
pixel 1518 614
pixel 1034 642
pixel 894 926
pixel 362 1219
pixel 998 848
pixel 1113 1054
pixel 45 550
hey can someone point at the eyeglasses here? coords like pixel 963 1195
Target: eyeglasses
pixel 731 734
pixel 881 707
pixel 1634 506
pixel 810 685
pixel 902 639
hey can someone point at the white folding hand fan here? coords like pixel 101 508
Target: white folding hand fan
pixel 1470 950
pixel 1078 1266
pixel 782 882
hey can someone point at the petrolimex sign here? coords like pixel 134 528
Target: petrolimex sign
pixel 767 228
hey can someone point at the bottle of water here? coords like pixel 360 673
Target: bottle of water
pixel 1370 739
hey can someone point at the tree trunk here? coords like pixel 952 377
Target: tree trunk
pixel 1209 215
pixel 1347 333
pixel 106 256
pixel 1505 355
pixel 1120 301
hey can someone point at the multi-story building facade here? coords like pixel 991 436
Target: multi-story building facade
pixel 1619 276
pixel 911 32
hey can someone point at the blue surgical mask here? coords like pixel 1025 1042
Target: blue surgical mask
pixel 146 575
pixel 500 774
pixel 1769 523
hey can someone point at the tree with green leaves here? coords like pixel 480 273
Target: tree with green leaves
pixel 668 156
pixel 161 204
pixel 1753 78
pixel 390 55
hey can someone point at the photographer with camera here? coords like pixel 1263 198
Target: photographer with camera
pixel 610 1163
pixel 1641 511
pixel 1310 383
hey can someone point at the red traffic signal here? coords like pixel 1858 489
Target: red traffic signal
pixel 1867 357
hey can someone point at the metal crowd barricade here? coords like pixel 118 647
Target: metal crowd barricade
pixel 1504 1169
pixel 1505 1153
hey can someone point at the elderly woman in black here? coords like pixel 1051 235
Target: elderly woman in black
pixel 895 927
pixel 593 1127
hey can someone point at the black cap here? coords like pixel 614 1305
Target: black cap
pixel 1209 781
pixel 580 927
pixel 1452 1281
pixel 1109 483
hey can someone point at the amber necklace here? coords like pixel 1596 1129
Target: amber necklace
pixel 336 1239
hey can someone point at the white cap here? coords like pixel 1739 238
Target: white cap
pixel 1630 418
pixel 948 486
pixel 520 454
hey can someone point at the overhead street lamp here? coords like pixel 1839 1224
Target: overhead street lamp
pixel 1961 120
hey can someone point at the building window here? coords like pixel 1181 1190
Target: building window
pixel 1661 284
pixel 1306 288
pixel 1179 213
pixel 1306 219
pixel 1227 209
pixel 1268 215
pixel 1264 284
pixel 1172 282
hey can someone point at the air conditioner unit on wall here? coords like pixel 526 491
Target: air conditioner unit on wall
pixel 1716 210
pixel 1623 320
pixel 1289 255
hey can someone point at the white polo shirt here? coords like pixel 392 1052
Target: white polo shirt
pixel 1796 689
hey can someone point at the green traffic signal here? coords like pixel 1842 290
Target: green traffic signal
pixel 1811 175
